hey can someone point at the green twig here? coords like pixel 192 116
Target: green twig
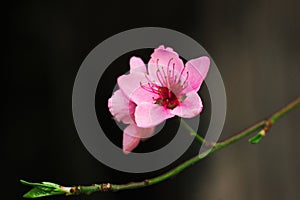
pixel 192 132
pixel 49 189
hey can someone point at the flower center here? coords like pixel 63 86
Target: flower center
pixel 166 98
pixel 170 86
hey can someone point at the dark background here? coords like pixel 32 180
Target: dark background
pixel 255 45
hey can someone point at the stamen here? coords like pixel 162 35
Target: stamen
pixel 159 77
pixel 187 76
pixel 153 90
pixel 183 87
pixel 154 87
pixel 148 79
pixel 162 68
pixel 150 88
pixel 168 71
pixel 167 84
pixel 170 61
pixel 179 79
pixel 173 80
pixel 146 88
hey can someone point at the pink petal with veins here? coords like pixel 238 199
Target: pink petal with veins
pixel 132 136
pixel 129 142
pixel 190 107
pixel 197 70
pixel 137 65
pixel 149 115
pixel 131 86
pixel 121 108
pixel 135 131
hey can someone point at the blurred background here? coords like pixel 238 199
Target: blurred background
pixel 255 45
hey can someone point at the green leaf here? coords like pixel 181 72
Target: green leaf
pixel 257 138
pixel 42 189
pixel 49 184
pixel 41 192
pixel 30 184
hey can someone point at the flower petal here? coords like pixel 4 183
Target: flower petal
pixel 131 82
pixel 164 59
pixel 149 115
pixel 197 70
pixel 131 86
pixel 137 65
pixel 190 107
pixel 129 141
pixel 142 133
pixel 121 108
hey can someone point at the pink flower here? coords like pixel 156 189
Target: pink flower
pixel 145 100
pixel 168 89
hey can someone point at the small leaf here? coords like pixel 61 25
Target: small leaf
pixel 42 189
pixel 257 138
pixel 41 192
pixel 51 184
pixel 30 184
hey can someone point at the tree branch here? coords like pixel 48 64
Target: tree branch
pixel 49 189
